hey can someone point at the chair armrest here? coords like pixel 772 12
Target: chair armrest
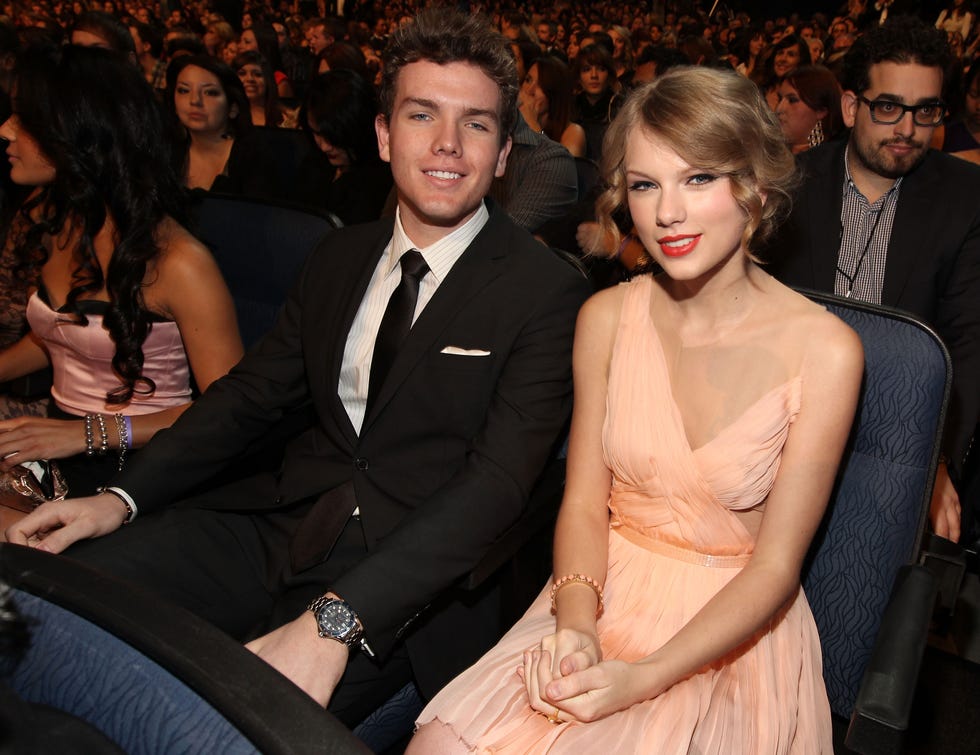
pixel 270 711
pixel 881 713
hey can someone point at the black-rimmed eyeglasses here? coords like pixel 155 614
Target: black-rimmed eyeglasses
pixel 889 112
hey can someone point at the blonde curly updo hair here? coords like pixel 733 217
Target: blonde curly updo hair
pixel 717 121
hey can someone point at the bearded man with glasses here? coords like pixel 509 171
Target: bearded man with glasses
pixel 881 217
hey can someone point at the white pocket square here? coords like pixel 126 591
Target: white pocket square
pixel 457 351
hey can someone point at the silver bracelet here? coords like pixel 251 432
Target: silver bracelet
pixel 130 512
pixel 89 437
pixel 123 439
pixel 103 436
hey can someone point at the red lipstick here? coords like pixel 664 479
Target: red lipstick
pixel 678 246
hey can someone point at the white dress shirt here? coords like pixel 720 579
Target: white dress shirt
pixel 355 371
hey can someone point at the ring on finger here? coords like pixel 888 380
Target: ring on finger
pixel 556 718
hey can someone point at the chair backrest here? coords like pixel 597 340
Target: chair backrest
pixel 879 507
pixel 260 247
pixel 153 677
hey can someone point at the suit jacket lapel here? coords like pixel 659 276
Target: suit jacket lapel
pixel 475 269
pixel 824 197
pixel 909 232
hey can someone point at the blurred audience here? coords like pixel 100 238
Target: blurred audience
pixel 339 114
pixel 546 104
pixel 808 107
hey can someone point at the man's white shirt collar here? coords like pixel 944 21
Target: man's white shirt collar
pixel 442 255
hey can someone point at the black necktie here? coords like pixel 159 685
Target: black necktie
pixel 397 320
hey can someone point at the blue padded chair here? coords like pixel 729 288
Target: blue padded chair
pixel 859 579
pixel 153 677
pixel 260 247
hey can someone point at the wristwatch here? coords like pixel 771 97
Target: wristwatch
pixel 336 620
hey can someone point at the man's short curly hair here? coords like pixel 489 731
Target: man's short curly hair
pixel 442 36
pixel 902 39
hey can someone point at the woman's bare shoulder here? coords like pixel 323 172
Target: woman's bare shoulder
pixel 184 267
pixel 603 307
pixel 826 341
pixel 181 252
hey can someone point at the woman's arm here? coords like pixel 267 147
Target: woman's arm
pixel 573 139
pixel 582 531
pixel 831 380
pixel 190 290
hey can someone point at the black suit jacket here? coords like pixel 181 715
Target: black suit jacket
pixel 932 268
pixel 448 453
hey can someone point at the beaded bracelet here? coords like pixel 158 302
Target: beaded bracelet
pixel 585 580
pixel 123 433
pixel 103 436
pixel 89 437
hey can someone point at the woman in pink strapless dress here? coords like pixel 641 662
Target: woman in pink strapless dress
pixel 129 306
pixel 712 405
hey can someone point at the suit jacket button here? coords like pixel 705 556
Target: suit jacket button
pixel 361 464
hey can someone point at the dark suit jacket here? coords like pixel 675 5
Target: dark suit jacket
pixel 450 449
pixel 933 264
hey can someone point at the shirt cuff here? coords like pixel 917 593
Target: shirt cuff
pixel 120 493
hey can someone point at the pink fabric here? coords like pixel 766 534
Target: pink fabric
pixel 81 357
pixel 674 542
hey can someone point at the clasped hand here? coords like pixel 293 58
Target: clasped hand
pixel 566 672
pixel 32 438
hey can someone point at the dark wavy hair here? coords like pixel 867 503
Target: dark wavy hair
pixel 342 107
pixel 96 119
pixel 901 39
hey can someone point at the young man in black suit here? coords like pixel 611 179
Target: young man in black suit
pixel 426 443
pixel 883 218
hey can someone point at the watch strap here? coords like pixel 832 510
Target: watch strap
pixel 355 637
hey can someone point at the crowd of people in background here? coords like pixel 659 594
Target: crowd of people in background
pixel 576 58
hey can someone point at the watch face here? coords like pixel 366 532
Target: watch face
pixel 336 618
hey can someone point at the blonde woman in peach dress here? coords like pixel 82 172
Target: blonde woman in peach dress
pixel 712 405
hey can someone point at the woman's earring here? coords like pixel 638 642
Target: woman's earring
pixel 816 135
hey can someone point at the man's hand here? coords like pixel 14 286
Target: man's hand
pixel 32 438
pixel 55 525
pixel 313 663
pixel 944 512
